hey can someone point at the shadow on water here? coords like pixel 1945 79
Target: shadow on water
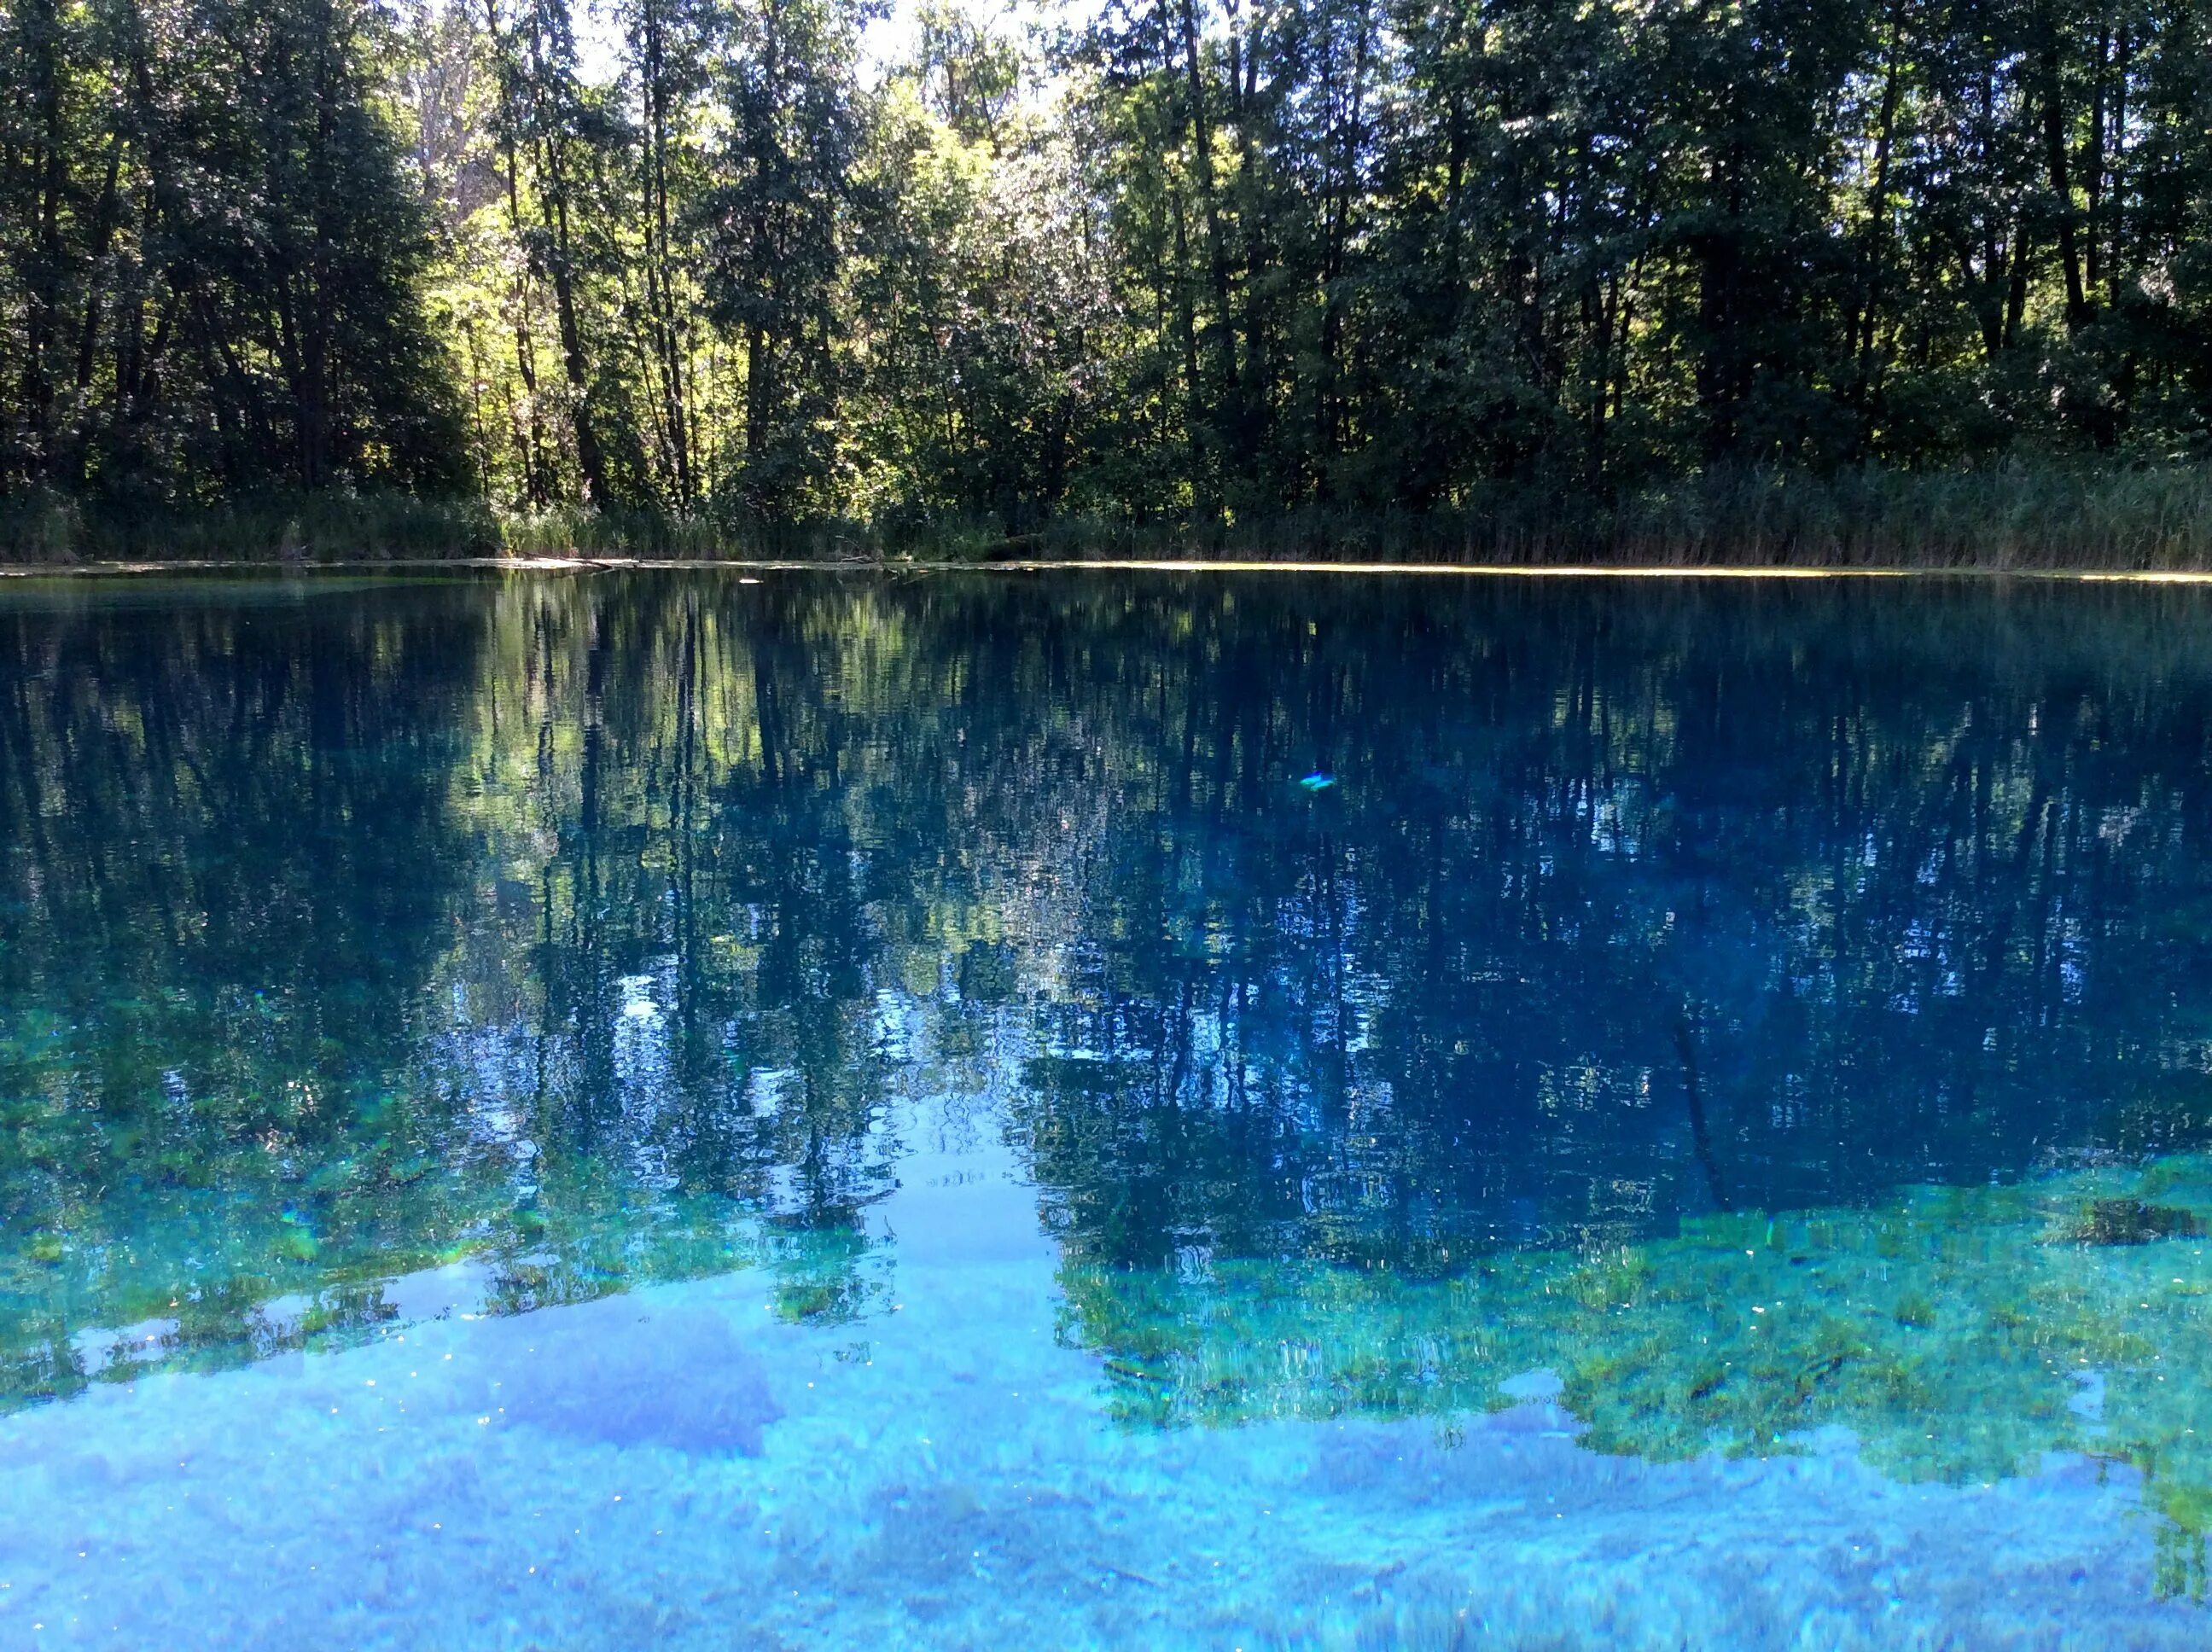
pixel 1652 944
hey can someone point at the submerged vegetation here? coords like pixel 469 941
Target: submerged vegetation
pixel 1958 1333
pixel 1856 283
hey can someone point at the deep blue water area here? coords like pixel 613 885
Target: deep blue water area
pixel 831 1108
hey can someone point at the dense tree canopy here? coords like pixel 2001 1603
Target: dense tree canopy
pixel 1161 260
pixel 213 262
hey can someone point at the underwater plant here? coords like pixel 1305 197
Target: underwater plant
pixel 1958 1333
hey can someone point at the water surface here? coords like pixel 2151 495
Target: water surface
pixel 816 1110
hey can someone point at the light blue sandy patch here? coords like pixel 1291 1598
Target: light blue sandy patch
pixel 944 1476
pixel 634 1371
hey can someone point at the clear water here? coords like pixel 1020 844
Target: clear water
pixel 818 1110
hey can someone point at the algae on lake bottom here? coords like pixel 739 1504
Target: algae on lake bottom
pixel 1958 1333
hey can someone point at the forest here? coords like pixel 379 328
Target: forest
pixel 1860 278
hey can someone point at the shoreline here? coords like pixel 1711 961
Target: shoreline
pixel 142 567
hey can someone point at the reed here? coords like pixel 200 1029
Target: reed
pixel 2016 516
pixel 2019 515
pixel 275 528
pixel 301 528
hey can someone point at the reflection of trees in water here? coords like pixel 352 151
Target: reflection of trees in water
pixel 1890 889
pixel 587 918
pixel 675 951
pixel 1910 892
pixel 363 935
pixel 227 863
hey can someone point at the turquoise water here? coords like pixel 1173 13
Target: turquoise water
pixel 827 1109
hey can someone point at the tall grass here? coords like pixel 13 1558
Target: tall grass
pixel 618 534
pixel 331 527
pixel 2016 516
pixel 356 528
pixel 2012 517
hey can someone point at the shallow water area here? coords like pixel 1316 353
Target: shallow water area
pixel 561 1111
pixel 957 1491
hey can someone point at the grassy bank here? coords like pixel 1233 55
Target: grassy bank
pixel 2016 516
pixel 348 528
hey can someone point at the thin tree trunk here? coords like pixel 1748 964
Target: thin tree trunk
pixel 2054 146
pixel 553 210
pixel 1876 253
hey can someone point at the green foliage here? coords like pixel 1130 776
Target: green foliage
pixel 211 266
pixel 2030 515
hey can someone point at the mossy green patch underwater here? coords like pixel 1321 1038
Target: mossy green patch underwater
pixel 1958 1333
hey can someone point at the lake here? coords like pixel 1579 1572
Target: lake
pixel 1125 1109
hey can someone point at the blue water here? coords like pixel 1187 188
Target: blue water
pixel 824 1109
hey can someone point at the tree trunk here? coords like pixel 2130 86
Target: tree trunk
pixel 2054 146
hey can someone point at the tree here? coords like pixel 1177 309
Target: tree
pixel 776 219
pixel 215 262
